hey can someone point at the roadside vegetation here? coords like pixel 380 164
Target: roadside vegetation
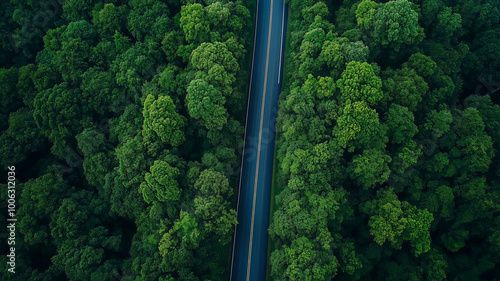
pixel 124 119
pixel 388 142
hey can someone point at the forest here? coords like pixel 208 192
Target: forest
pixel 388 139
pixel 124 120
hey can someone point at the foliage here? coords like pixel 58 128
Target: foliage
pixel 359 83
pixel 161 119
pixel 396 23
pixel 206 103
pixel 124 122
pixel 389 120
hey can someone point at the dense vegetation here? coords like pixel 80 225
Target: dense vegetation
pixel 124 121
pixel 388 142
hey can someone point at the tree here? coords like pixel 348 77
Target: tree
pixel 449 58
pixel 405 87
pixel 171 44
pixel 318 9
pixel 148 18
pixel 161 184
pixel 59 115
pixel 177 244
pixel 74 10
pixel 69 216
pixel 109 20
pixel 21 138
pixel 388 224
pixel 395 221
pixel 478 15
pixel 425 136
pixel 123 182
pixel 439 20
pixel 318 164
pixel 121 193
pixel 79 29
pixel 39 201
pixel 422 64
pixel 304 260
pixel 324 87
pixel 445 195
pixel 345 19
pixel 73 56
pixel 122 43
pixel 45 78
pixel 357 127
pixel 350 261
pixel 206 104
pixel 212 204
pixel 370 168
pixel 438 122
pixel 365 13
pixel 170 80
pixel 434 265
pixel 405 157
pixel 194 22
pixel 489 114
pixel 217 14
pixel 400 124
pixel 221 159
pixel 216 65
pixel 449 22
pixel 335 54
pixel 417 229
pixel 29 22
pixel 311 47
pixel 396 23
pixel 227 20
pixel 96 166
pixel 135 65
pixel 79 237
pixel 100 91
pixel 126 126
pixel 359 83
pixel 73 59
pixel 98 160
pixel 160 118
pixel 475 145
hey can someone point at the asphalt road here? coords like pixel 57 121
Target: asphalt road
pixel 250 240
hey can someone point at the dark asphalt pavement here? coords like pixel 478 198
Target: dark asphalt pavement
pixel 250 244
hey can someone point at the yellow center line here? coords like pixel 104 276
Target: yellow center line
pixel 259 145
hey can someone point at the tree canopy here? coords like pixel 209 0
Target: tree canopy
pixel 387 143
pixel 124 120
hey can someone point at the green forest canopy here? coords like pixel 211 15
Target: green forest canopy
pixel 124 121
pixel 388 140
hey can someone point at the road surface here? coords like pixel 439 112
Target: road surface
pixel 250 240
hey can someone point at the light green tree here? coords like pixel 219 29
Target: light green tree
pixel 161 118
pixel 358 126
pixel 360 83
pixel 365 13
pixel 194 22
